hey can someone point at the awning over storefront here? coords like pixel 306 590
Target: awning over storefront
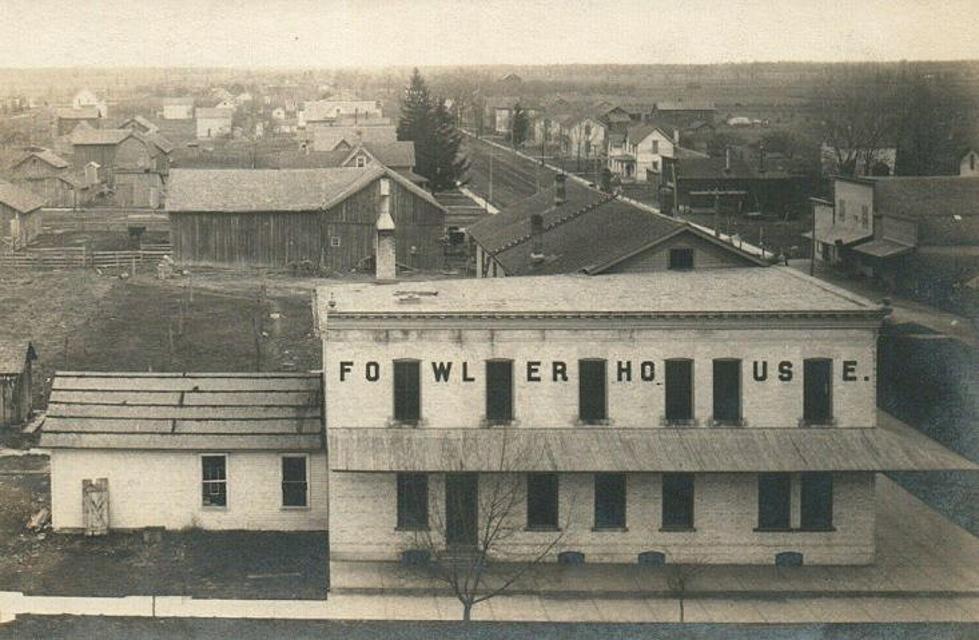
pixel 655 449
pixel 836 234
pixel 883 248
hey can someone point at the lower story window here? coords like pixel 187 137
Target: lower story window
pixel 609 501
pixel 295 483
pixel 816 505
pixel 542 500
pixel 774 501
pixel 214 481
pixel 412 501
pixel 678 501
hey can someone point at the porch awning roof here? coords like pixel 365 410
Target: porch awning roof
pixel 655 449
pixel 883 248
pixel 833 234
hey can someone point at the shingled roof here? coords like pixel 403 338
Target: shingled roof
pixel 44 155
pixel 198 411
pixel 590 231
pixel 88 136
pixel 397 155
pixel 262 190
pixel 19 199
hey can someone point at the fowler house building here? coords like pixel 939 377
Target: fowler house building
pixel 717 416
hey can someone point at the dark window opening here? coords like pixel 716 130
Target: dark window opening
pixel 818 391
pixel 609 501
pixel 214 481
pixel 679 390
pixel 407 390
pixel 412 501
pixel 542 500
pixel 591 391
pixel 295 487
pixel 817 501
pixel 678 500
pixel 727 391
pixel 681 259
pixel 499 390
pixel 774 500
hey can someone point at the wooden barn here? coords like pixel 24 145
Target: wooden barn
pixel 280 217
pixel 20 216
pixel 16 359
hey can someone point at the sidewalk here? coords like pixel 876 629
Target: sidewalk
pixel 905 309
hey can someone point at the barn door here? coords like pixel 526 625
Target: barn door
pixel 95 506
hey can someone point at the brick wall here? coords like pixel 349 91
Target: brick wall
pixel 636 404
pixel 363 516
pixel 163 488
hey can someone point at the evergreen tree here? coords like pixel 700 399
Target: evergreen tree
pixel 521 124
pixel 427 122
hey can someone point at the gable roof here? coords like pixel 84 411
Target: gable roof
pixel 140 120
pixel 713 168
pixel 13 354
pixel 89 136
pixel 214 112
pixel 179 100
pixel 590 232
pixel 46 156
pixel 201 411
pixel 640 132
pixel 266 190
pixel 19 199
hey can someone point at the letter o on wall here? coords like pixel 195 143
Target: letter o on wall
pixel 372 371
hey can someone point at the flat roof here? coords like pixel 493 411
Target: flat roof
pixel 199 411
pixel 651 449
pixel 717 291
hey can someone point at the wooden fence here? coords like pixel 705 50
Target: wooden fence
pixel 81 258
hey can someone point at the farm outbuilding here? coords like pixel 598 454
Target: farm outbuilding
pixel 20 216
pixel 16 361
pixel 280 217
pixel 175 450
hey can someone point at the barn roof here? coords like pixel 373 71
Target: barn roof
pixel 200 411
pixel 591 230
pixel 89 136
pixel 240 190
pixel 45 155
pixel 19 199
pixel 13 354
pixel 650 449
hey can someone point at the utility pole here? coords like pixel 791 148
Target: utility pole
pixel 812 251
pixel 490 198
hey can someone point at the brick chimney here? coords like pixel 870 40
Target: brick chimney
pixel 536 238
pixel 385 251
pixel 560 190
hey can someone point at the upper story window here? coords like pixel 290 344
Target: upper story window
pixel 295 481
pixel 407 390
pixel 817 382
pixel 842 209
pixel 678 492
pixel 774 501
pixel 499 390
pixel 361 161
pixel 214 480
pixel 610 500
pixel 592 405
pixel 680 259
pixel 727 391
pixel 865 217
pixel 655 146
pixel 679 390
pixel 542 500
pixel 412 501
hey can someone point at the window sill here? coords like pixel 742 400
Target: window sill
pixel 677 529
pixel 799 530
pixel 207 507
pixel 412 529
pixel 610 529
pixel 489 424
pixel 542 529
pixel 295 508
pixel 595 422
pixel 829 529
pixel 679 423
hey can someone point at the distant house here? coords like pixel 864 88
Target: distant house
pixel 20 216
pixel 141 124
pixel 68 119
pixel 317 111
pixel 969 164
pixel 85 99
pixel 213 122
pixel 48 175
pixel 333 137
pixel 398 156
pixel 509 83
pixel 16 377
pixel 573 228
pixel 681 113
pixel 920 234
pixel 732 184
pixel 133 165
pixel 287 216
pixel 586 137
pixel 643 149
pixel 179 108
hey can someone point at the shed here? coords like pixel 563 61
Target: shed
pixel 20 215
pixel 16 358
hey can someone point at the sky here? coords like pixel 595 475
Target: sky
pixel 374 33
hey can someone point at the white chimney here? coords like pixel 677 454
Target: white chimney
pixel 385 251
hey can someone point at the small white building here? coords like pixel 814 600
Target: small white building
pixel 178 108
pixel 209 451
pixel 213 122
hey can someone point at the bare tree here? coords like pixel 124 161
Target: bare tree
pixel 480 560
pixel 678 578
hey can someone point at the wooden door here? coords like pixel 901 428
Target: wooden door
pixel 95 506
